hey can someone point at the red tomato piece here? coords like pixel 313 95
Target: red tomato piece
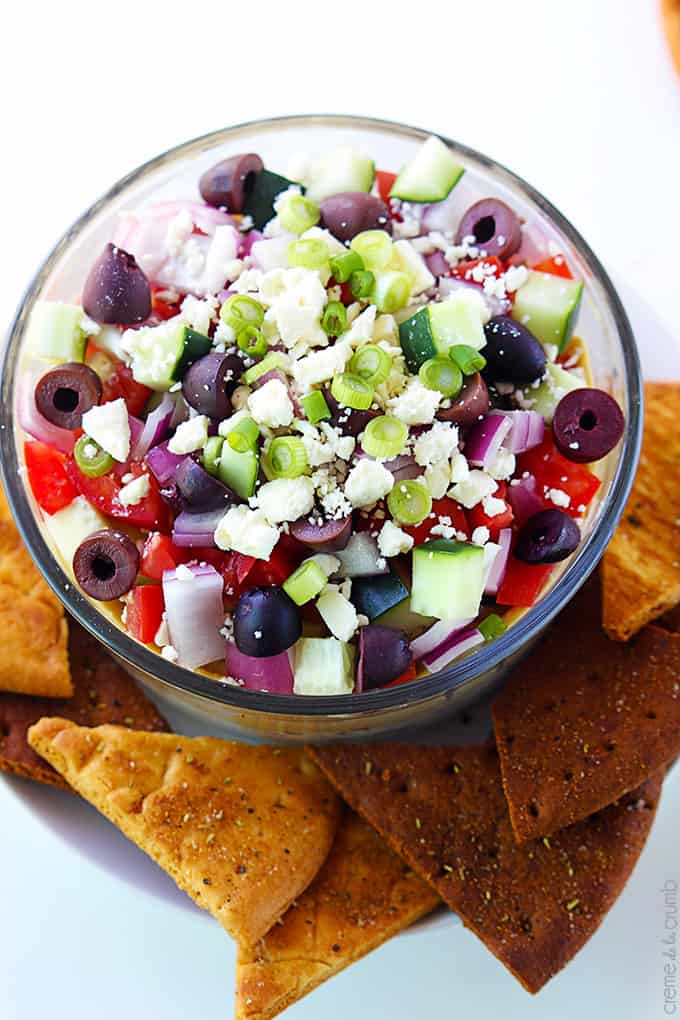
pixel 50 484
pixel 445 507
pixel 464 271
pixel 479 519
pixel 522 583
pixel 285 558
pixel 144 610
pixel 161 554
pixel 384 181
pixel 405 678
pixel 117 379
pixel 160 306
pixel 553 471
pixel 556 265
pixel 151 513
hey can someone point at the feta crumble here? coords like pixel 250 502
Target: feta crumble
pixel 109 426
pixel 270 405
pixel 190 435
pixel 392 540
pixel 368 482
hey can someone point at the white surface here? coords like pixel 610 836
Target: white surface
pixel 580 100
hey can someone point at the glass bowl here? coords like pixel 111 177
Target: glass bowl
pixel 228 708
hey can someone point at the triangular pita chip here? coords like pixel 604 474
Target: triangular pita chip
pixel 641 566
pixel 102 693
pixel 443 809
pixel 583 720
pixel 671 15
pixel 363 895
pixel 242 829
pixel 34 656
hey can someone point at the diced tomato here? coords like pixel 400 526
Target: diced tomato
pixel 144 611
pixel 160 306
pixel 150 513
pixel 346 296
pixel 117 380
pixel 464 270
pixel 161 554
pixel 553 471
pixel 556 265
pixel 405 678
pixel 445 507
pixel 522 583
pixel 384 181
pixel 479 519
pixel 50 484
pixel 285 558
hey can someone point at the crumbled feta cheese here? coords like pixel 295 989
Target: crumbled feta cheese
pixel 392 540
pixel 270 405
pixel 559 497
pixel 437 478
pixel 89 326
pixel 480 536
pixel 190 435
pixel 417 405
pixel 361 330
pixel 162 635
pixel 475 488
pixel 503 465
pixel 492 506
pixel 285 499
pixel 409 261
pixel 199 314
pixel 170 653
pixel 436 445
pixel 182 573
pixel 109 426
pixel 135 491
pixel 319 366
pixel 328 563
pixel 335 247
pixel 368 482
pixel 180 228
pixel 337 612
pixel 246 531
pixel 296 299
pixel 515 277
pixel 460 469
pixel 336 505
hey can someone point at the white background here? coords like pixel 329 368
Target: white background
pixel 581 99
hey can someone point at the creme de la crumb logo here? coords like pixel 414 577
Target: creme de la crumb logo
pixel 669 940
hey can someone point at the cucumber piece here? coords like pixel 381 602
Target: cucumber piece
pixel 259 204
pixel 196 345
pixel 430 175
pixel 548 306
pixel 403 617
pixel 377 595
pixel 160 354
pixel 444 324
pixel 448 579
pixel 556 384
pixel 54 332
pixel 238 470
pixel 71 525
pixel 416 339
pixel 323 666
pixel 343 169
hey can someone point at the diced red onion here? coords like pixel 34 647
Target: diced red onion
pixel 191 530
pixel 205 217
pixel 248 240
pixel 437 636
pixel 457 645
pixel 273 673
pixel 496 573
pixel 527 428
pixel 361 557
pixel 497 306
pixel 524 499
pixel 155 427
pixel 136 429
pixel 485 438
pixel 181 412
pixel 274 373
pixel 403 467
pixel 447 214
pixel 30 418
pixel 162 463
pixel 437 264
pixel 195 613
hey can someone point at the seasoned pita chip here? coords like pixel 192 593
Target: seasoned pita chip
pixel 102 693
pixel 671 16
pixel 583 719
pixel 363 895
pixel 443 809
pixel 641 567
pixel 34 656
pixel 242 829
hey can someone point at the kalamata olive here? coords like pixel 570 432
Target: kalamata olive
pixel 588 424
pixel 329 536
pixel 205 383
pixel 199 490
pixel 228 184
pixel 547 537
pixel 512 353
pixel 470 404
pixel 64 394
pixel 384 654
pixel 116 291
pixel 349 421
pixel 266 622
pixel 350 212
pixel 494 226
pixel 106 564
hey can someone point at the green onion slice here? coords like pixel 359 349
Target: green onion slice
pixel 492 627
pixel 243 436
pixel 372 363
pixel 286 457
pixel 297 213
pixel 469 360
pixel 315 407
pixel 374 247
pixel 251 341
pixel 211 454
pixel 352 391
pixel 342 266
pixel 361 283
pixel 92 461
pixel 239 310
pixel 391 291
pixel 309 253
pixel 410 501
pixel 441 374
pixel 334 321
pixel 384 437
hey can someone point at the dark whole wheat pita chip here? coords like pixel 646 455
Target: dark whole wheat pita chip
pixel 641 566
pixel 363 895
pixel 583 720
pixel 671 16
pixel 443 809
pixel 103 693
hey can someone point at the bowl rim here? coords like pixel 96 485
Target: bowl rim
pixel 385 700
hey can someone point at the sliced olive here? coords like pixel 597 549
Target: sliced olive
pixel 64 394
pixel 106 564
pixel 494 226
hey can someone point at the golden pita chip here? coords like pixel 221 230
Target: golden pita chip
pixel 34 656
pixel 242 829
pixel 363 895
pixel 641 567
pixel 671 16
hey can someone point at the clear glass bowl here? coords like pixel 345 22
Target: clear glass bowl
pixel 615 367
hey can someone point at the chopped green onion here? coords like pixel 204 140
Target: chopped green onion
pixel 441 374
pixel 297 213
pixel 305 583
pixel 372 363
pixel 334 321
pixel 351 391
pixel 315 407
pixel 243 436
pixel 286 457
pixel 273 360
pixel 384 436
pixel 251 341
pixel 492 627
pixel 469 360
pixel 211 454
pixel 309 253
pixel 391 291
pixel 374 247
pixel 410 501
pixel 342 266
pixel 239 310
pixel 361 283
pixel 92 461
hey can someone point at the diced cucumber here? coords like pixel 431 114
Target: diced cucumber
pixel 69 526
pixel 238 470
pixel 548 306
pixel 416 339
pixel 556 384
pixel 403 617
pixel 343 169
pixel 448 579
pixel 54 332
pixel 160 354
pixel 323 666
pixel 430 175
pixel 441 325
pixel 259 204
pixel 374 596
